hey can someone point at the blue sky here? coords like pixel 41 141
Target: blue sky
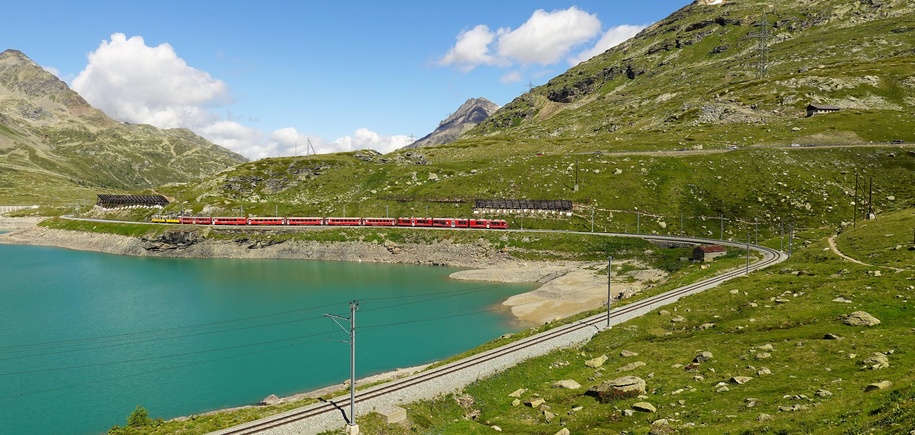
pixel 261 77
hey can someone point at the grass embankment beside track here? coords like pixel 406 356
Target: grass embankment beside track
pixel 770 326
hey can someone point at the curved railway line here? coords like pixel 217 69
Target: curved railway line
pixel 327 415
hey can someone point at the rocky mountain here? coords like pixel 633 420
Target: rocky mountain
pixel 733 73
pixel 471 113
pixel 55 146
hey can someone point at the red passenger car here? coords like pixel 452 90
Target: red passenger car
pixel 414 222
pixel 266 221
pixel 343 221
pixel 450 223
pixel 230 221
pixel 379 222
pixel 304 221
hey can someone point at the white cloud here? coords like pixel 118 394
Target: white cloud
pixel 547 37
pixel 611 38
pixel 364 138
pixel 133 82
pixel 289 141
pixel 472 49
pixel 512 77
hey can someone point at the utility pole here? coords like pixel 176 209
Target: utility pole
pixel 576 175
pixel 756 236
pixel 748 253
pixel 870 199
pixel 638 222
pixel 790 239
pixel 352 427
pixel 855 218
pixel 721 218
pixel 762 48
pixel 609 295
pixel 681 224
pixel 781 232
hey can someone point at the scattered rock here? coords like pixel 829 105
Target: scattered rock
pixel 625 384
pixel 644 407
pixel 823 393
pixel 516 402
pixel 627 354
pixel 764 417
pixel 567 384
pixel 496 428
pixel 703 357
pixel 597 362
pixel 535 402
pixel 723 389
pixel 631 366
pixel 766 347
pixel 764 371
pixel 831 337
pixel 628 413
pixel 518 392
pixel 706 326
pixel 877 361
pixel 563 431
pixel 678 319
pixel 740 380
pixel 763 355
pixel 548 416
pixel 841 300
pixel 877 386
pixel 270 400
pixel 861 318
pixel 663 313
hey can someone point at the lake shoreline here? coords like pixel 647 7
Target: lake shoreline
pixel 566 287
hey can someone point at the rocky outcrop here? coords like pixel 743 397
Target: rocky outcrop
pixel 861 318
pixel 471 113
pixel 171 240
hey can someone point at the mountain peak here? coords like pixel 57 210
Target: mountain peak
pixel 471 113
pixel 23 78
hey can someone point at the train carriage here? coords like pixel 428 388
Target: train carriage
pixel 304 221
pixel 379 222
pixel 338 221
pixel 266 221
pixel 450 223
pixel 230 221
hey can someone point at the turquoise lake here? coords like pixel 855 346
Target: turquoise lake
pixel 86 337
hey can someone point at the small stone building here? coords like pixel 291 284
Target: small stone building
pixel 819 109
pixel 707 253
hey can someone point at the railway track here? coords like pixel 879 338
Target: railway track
pixel 324 416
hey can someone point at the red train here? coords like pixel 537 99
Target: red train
pixel 497 224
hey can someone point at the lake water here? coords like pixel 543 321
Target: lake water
pixel 86 337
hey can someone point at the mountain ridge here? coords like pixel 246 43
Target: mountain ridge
pixel 56 145
pixel 469 115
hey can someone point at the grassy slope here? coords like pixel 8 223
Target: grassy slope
pixel 801 363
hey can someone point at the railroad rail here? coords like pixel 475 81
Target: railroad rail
pixel 325 416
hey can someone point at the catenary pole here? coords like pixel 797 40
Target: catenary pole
pixel 609 294
pixel 353 306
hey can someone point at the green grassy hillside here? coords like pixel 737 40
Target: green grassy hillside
pixel 783 328
pixel 56 149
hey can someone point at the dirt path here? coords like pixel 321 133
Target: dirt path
pixel 835 250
